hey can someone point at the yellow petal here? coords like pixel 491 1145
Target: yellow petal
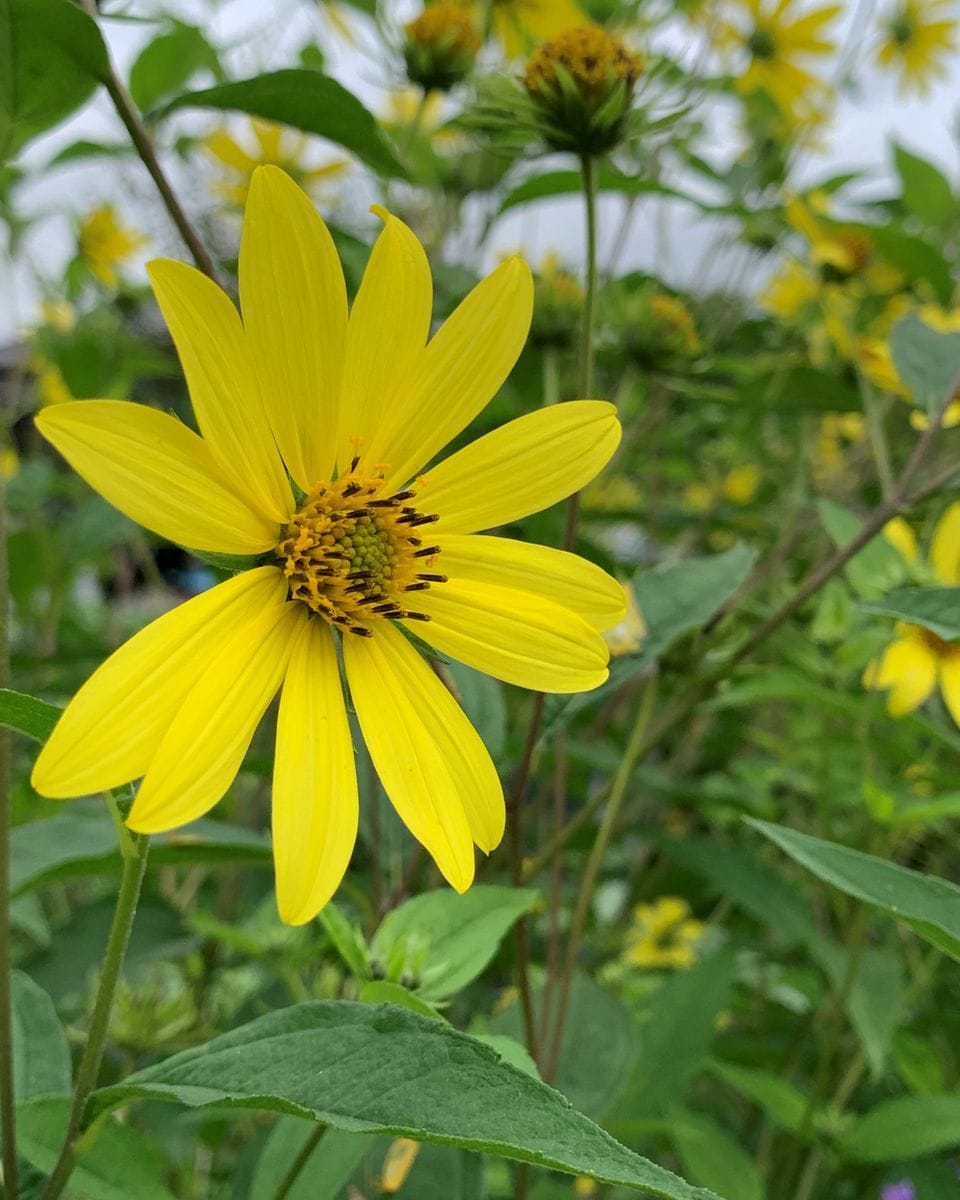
pixel 294 305
pixel 430 759
pixel 566 579
pixel 315 810
pixel 223 386
pixel 229 151
pixel 111 728
pixel 950 682
pixel 945 547
pixel 386 335
pixel 514 636
pixel 459 373
pixel 522 467
pixel 204 745
pixel 158 472
pixel 902 538
pixel 908 669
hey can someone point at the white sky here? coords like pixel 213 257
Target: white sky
pixel 260 36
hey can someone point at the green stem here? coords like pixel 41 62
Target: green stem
pixel 291 1177
pixel 878 438
pixel 7 1098
pixel 551 376
pixel 134 866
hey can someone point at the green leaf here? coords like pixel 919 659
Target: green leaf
pixel 935 608
pixel 347 940
pixel 927 361
pixel 926 191
pixel 41 1058
pixel 385 991
pixel 907 1127
pixel 306 100
pixel 570 183
pixel 51 59
pixel 325 1173
pixel 875 568
pixel 114 1161
pixel 795 391
pixel 917 258
pixel 929 905
pixel 461 933
pixel 784 1104
pixel 27 714
pixel 386 1070
pixel 711 1157
pixel 875 1000
pixel 164 65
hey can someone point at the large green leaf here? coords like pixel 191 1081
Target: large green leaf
pixel 927 361
pixel 929 905
pixel 936 608
pixel 51 59
pixel 325 1173
pixel 386 1070
pixel 907 1127
pixel 41 1058
pixel 456 936
pixel 306 100
pixel 165 64
pixel 569 183
pixel 926 191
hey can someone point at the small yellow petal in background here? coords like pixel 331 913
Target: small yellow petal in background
pixel 158 472
pixel 945 547
pixel 950 681
pixel 566 579
pixel 223 386
pixel 515 636
pixel 294 304
pixel 902 538
pixel 388 329
pixel 459 373
pixel 202 750
pixel 109 732
pixel 430 760
pixel 315 807
pixel 397 1164
pixel 522 467
pixel 908 670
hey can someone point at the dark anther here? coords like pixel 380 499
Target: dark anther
pixel 417 587
pixel 416 616
pixel 361 630
pixel 354 462
pixel 388 609
pixel 390 503
pixel 351 489
pixel 427 552
pixel 403 495
pixel 427 520
pixel 359 512
pixel 433 578
pixel 358 574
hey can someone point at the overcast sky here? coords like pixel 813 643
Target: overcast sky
pixel 260 36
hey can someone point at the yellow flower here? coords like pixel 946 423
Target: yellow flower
pixel 741 483
pixel 9 462
pixel 663 934
pixel 626 637
pixel 791 292
pixel 442 45
pixel 271 145
pixel 917 659
pixel 918 39
pixel 52 388
pixel 519 25
pixel 584 1188
pixel 836 431
pixel 105 243
pixel 316 429
pixel 775 37
pixel 397 1164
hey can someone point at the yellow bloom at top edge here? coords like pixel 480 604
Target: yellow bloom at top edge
pixel 521 25
pixel 353 408
pixel 917 39
pixel 105 244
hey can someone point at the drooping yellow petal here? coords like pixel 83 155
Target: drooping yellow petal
pixel 515 636
pixel 109 732
pixel 229 151
pixel 522 467
pixel 459 373
pixel 388 329
pixel 950 682
pixel 908 670
pixel 223 385
pixel 315 809
pixel 294 304
pixel 204 745
pixel 945 547
pixel 902 538
pixel 430 760
pixel 158 472
pixel 566 579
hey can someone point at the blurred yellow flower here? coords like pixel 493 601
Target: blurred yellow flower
pixel 52 388
pixel 918 38
pixel 397 1164
pixel 835 433
pixel 519 25
pixel 740 484
pixel 917 659
pixel 795 289
pixel 627 635
pixel 105 243
pixel 584 1188
pixel 9 462
pixel 663 934
pixel 272 145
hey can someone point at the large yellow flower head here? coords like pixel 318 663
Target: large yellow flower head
pixel 917 40
pixel 316 427
pixel 917 659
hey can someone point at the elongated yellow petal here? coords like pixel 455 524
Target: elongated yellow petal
pixel 564 578
pixel 522 467
pixel 945 547
pixel 430 760
pixel 111 728
pixel 899 534
pixel 204 745
pixel 515 636
pixel 294 305
pixel 223 385
pixel 908 670
pixel 459 373
pixel 315 810
pixel 386 335
pixel 157 471
pixel 950 683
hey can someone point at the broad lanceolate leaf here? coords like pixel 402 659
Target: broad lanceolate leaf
pixel 929 905
pixel 908 1127
pixel 927 361
pixel 935 608
pixel 926 191
pixel 306 100
pixel 41 1059
pixel 51 58
pixel 385 1070
pixel 28 715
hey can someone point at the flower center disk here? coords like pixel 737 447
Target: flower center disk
pixel 353 553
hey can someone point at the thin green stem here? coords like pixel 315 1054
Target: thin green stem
pixel 134 866
pixel 551 376
pixel 588 172
pixel 291 1177
pixel 873 415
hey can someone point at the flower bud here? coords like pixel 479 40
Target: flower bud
pixel 442 45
